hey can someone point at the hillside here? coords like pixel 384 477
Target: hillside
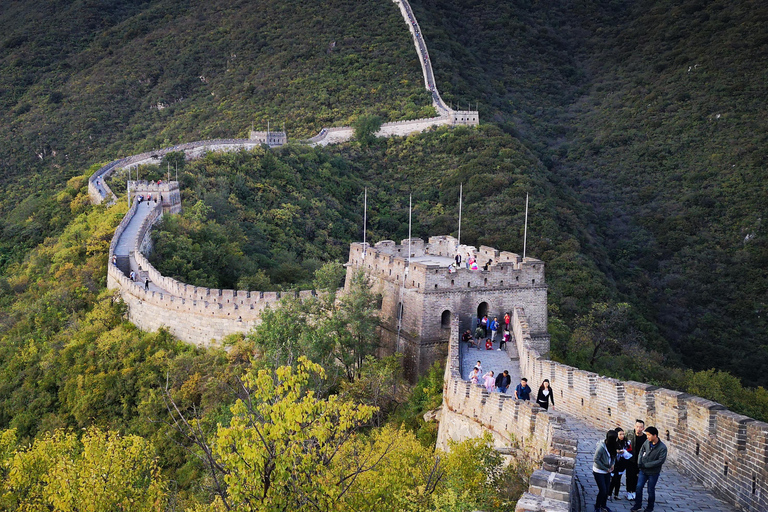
pixel 82 82
pixel 638 128
pixel 653 114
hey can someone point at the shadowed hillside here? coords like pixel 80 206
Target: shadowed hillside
pixel 653 113
pixel 84 81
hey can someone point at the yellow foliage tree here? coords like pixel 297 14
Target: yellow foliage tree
pixel 102 471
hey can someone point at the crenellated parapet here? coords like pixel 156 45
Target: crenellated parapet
pixel 422 290
pixel 519 428
pixel 727 452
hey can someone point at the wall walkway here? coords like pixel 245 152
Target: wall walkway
pixel 445 115
pixel 714 454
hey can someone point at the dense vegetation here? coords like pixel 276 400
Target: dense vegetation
pixel 638 127
pixel 84 394
pixel 653 114
pixel 83 81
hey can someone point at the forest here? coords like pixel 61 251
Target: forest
pixel 638 127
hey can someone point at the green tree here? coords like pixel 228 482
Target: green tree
pixel 606 329
pixel 365 129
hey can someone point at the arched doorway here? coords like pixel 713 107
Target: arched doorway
pixel 445 320
pixel 482 309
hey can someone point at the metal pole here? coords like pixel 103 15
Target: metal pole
pixel 461 193
pixel 525 233
pixel 365 219
pixel 410 215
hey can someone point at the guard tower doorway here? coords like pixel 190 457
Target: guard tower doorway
pixel 445 320
pixel 482 309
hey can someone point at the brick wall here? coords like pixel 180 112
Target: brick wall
pixel 519 428
pixel 725 451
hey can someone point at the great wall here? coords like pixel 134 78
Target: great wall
pixel 714 453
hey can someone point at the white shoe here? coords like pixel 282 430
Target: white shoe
pixel 630 495
pixel 498 349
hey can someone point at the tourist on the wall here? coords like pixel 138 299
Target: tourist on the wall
pixel 523 390
pixel 484 325
pixel 504 340
pixel 494 326
pixel 503 381
pixel 467 337
pixel 506 321
pixel 652 456
pixel 602 465
pixel 474 376
pixel 488 344
pixel 545 395
pixel 636 438
pixel 623 454
pixel 489 381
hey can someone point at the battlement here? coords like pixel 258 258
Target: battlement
pixel 465 117
pixel 429 265
pixel 167 192
pixel 272 139
pixel 727 452
pixel 420 297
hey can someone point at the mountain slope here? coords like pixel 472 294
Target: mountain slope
pixel 86 81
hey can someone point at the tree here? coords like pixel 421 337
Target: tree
pixel 605 329
pixel 283 441
pixel 353 325
pixel 365 129
pixel 102 471
pixel 335 331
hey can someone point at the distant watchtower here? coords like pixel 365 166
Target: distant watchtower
pixel 421 301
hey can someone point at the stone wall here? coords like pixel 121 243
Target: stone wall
pixel 727 452
pixel 272 139
pixel 427 295
pixel 519 428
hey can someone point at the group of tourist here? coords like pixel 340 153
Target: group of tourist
pixel 470 263
pixel 148 198
pixel 640 454
pixel 490 381
pixel 484 325
pixel 503 380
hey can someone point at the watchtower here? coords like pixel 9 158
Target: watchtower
pixel 166 192
pixel 420 299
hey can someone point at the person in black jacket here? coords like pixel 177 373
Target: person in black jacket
pixel 636 440
pixel 623 452
pixel 503 381
pixel 545 395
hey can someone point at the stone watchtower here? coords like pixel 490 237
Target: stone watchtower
pixel 166 192
pixel 421 301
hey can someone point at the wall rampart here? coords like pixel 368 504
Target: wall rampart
pixel 519 428
pixel 727 452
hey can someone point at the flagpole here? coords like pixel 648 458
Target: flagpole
pixel 405 275
pixel 525 233
pixel 410 215
pixel 365 219
pixel 461 192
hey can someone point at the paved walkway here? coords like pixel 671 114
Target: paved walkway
pixel 124 245
pixel 496 360
pixel 675 492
